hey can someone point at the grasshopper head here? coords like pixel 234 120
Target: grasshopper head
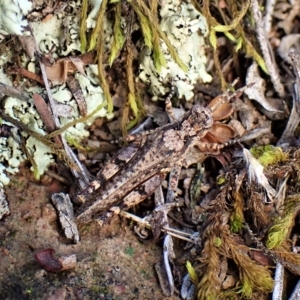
pixel 200 119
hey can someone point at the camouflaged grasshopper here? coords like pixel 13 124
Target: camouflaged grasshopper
pixel 139 168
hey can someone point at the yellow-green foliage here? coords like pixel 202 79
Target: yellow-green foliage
pixel 220 244
pixel 221 180
pixel 209 284
pixel 234 31
pixel 119 38
pixel 82 31
pixel 268 155
pixel 148 22
pixel 280 231
pixel 237 216
pixel 192 272
pixel 145 26
pixel 73 141
pixel 252 275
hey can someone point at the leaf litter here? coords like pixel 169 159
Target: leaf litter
pixel 241 221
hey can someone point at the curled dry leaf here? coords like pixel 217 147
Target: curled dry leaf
pixel 75 89
pixel 261 258
pixel 257 92
pixel 44 112
pixel 58 72
pixel 48 262
pixel 221 133
pixel 46 259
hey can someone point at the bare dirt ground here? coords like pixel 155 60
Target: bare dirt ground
pixel 111 262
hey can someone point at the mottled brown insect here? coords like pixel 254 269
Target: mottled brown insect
pixel 138 169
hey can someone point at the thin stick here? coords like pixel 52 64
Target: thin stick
pixel 171 231
pixel 266 49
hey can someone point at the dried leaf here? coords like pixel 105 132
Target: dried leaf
pixel 78 63
pixel 47 260
pixel 76 91
pixel 58 72
pixel 44 112
pixel 261 258
pixel 257 92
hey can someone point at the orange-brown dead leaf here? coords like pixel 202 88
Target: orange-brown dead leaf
pixel 261 258
pixel 25 73
pixel 77 93
pixel 58 71
pixel 44 112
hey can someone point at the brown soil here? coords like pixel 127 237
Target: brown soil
pixel 111 262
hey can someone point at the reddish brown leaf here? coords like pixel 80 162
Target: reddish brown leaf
pixel 78 94
pixel 48 262
pixel 44 112
pixel 58 72
pixel 261 258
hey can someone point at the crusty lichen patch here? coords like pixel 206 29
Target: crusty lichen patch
pixel 48 36
pixel 186 28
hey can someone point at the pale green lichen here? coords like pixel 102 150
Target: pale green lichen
pixel 12 14
pixel 186 29
pixel 47 35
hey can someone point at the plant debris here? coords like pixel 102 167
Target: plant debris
pixel 76 77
